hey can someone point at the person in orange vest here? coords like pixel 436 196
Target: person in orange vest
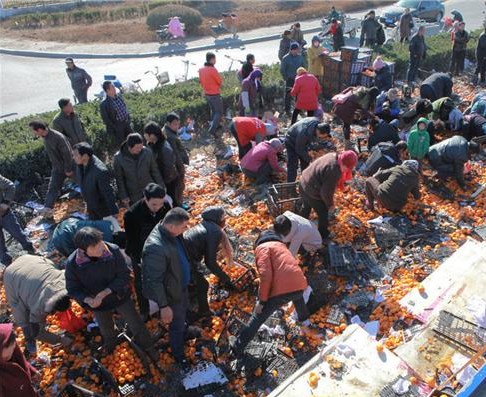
pixel 211 82
pixel 248 129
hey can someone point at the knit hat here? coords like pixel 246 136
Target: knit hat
pixel 294 46
pixel 378 64
pixel 413 164
pixel 349 159
pixel 276 144
pixel 269 129
pixel 301 70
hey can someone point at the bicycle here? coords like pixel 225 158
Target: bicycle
pixel 233 60
pixel 184 76
pixel 162 78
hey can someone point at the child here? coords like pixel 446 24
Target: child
pixel 419 140
pixel 185 133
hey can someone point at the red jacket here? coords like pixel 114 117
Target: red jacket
pixel 259 155
pixel 247 129
pixel 210 80
pixel 306 88
pixel 279 271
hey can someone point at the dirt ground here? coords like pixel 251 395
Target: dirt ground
pixel 251 14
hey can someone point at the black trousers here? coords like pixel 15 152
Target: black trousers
pixel 296 112
pixel 457 61
pixel 320 207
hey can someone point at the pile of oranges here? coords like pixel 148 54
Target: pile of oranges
pixel 124 364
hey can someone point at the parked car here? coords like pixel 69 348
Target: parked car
pixel 429 10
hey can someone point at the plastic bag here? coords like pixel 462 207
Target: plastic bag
pixel 69 321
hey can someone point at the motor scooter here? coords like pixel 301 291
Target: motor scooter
pixel 173 31
pixel 228 24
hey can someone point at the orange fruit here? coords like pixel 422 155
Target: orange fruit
pixel 379 347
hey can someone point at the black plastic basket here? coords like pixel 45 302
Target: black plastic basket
pixel 247 279
pixel 73 390
pixel 283 197
pixel 341 260
pixel 387 236
pixel 387 391
pixel 335 316
pixel 237 319
pixel 282 366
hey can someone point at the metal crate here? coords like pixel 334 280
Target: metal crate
pixel 283 197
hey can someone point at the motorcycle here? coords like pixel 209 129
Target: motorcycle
pixel 226 25
pixel 172 31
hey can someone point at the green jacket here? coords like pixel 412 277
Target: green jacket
pixel 418 141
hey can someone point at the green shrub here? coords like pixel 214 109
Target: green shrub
pixel 160 16
pixel 438 53
pixel 21 153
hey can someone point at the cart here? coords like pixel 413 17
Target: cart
pixel 350 26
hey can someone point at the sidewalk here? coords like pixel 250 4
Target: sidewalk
pixel 139 50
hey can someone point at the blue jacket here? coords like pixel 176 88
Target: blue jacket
pixel 384 78
pixel 300 135
pixel 289 65
pixel 63 236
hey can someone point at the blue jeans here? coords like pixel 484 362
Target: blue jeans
pixel 177 328
pixel 269 307
pixel 11 225
pixel 216 106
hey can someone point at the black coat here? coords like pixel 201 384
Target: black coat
pixel 203 240
pixel 481 47
pixel 94 181
pixel 450 155
pixel 166 160
pixel 417 47
pixel 439 83
pixel 384 133
pixel 476 124
pixel 300 135
pixel 139 222
pixel 384 78
pixel 87 278
pixel 181 155
pixel 384 155
pixel 108 114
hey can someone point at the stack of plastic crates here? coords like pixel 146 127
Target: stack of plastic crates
pixel 283 197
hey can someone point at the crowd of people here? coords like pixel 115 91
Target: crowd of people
pixel 166 257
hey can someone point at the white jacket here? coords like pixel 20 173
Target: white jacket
pixel 303 232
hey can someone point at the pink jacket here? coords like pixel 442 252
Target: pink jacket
pixel 306 88
pixel 258 155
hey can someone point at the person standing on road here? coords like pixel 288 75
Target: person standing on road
pixel 211 82
pixel 35 288
pixel 166 274
pixel 459 47
pixel 134 167
pixel 60 154
pixel 115 114
pixel 284 46
pixel 9 222
pixel 139 221
pixel 68 123
pixel 406 25
pixel 98 277
pixel 175 189
pixel 369 30
pixel 299 136
pixel 306 89
pixel 288 69
pixel 80 80
pixel 94 180
pixel 418 52
pixel 481 58
pixel 318 184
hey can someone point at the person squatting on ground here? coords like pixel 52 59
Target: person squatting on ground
pixel 262 161
pixel 246 130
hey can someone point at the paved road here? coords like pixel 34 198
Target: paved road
pixel 33 85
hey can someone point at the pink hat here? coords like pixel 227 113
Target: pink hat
pixel 349 159
pixel 378 64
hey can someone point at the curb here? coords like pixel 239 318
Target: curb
pixel 171 50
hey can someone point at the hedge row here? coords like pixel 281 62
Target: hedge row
pixel 21 153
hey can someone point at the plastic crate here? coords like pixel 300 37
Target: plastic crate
pixel 245 281
pixel 387 391
pixel 341 260
pixel 387 235
pixel 349 54
pixel 282 366
pixel 335 315
pixel 237 319
pixel 73 390
pixel 460 331
pixel 282 197
pixel 481 232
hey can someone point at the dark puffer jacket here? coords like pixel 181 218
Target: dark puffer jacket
pixel 94 181
pixel 133 173
pixel 384 155
pixel 166 160
pixel 86 278
pixel 384 78
pixel 300 135
pixel 436 86
pixel 203 240
pixel 162 275
pixel 449 157
pixel 385 132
